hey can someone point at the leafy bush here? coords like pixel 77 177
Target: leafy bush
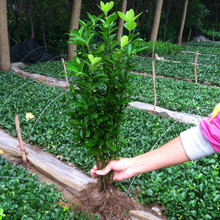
pixel 23 196
pixel 101 73
pixel 161 48
pixel 210 33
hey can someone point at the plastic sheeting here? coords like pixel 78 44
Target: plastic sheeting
pixel 30 52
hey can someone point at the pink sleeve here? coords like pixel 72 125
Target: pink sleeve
pixel 211 131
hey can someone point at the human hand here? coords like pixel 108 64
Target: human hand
pixel 122 169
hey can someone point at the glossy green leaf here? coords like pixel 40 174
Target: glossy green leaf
pixel 124 41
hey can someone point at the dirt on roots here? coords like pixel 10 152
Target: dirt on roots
pixel 110 204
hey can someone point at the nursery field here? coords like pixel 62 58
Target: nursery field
pixel 187 191
pixel 23 196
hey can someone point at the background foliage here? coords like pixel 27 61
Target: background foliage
pixel 53 17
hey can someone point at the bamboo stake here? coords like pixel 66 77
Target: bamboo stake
pixel 213 38
pixel 64 66
pixel 153 49
pixel 195 65
pixel 154 84
pixel 17 124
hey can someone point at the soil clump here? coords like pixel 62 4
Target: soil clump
pixel 110 204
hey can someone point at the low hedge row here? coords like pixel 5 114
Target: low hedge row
pixel 192 187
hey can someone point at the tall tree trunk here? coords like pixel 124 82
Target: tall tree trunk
pixel 76 9
pixel 216 16
pixel 154 32
pixel 30 13
pixel 15 7
pixel 121 21
pixel 4 43
pixel 42 23
pixel 137 11
pixel 166 22
pixel 182 22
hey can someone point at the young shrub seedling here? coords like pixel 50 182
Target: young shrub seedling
pixel 101 73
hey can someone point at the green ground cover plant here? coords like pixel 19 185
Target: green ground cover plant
pixel 210 33
pixel 205 44
pixel 23 196
pixel 205 73
pixel 50 68
pixel 209 72
pixel 203 50
pixel 194 181
pixel 188 186
pixel 160 48
pixel 177 96
pixel 183 189
pixel 190 57
pixel 178 93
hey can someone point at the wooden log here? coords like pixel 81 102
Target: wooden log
pixel 64 66
pixel 142 215
pixel 69 177
pixel 195 66
pixel 182 117
pixel 154 84
pixel 17 124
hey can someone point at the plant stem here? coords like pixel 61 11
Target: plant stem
pixel 99 177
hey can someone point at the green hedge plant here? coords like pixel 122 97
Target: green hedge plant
pixel 102 73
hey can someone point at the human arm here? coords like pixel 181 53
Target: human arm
pixel 172 153
pixel 192 144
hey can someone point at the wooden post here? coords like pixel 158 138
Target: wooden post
pixel 153 49
pixel 213 38
pixel 64 66
pixel 195 64
pixel 154 84
pixel 17 124
pixel 188 38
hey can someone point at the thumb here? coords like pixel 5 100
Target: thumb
pixel 104 171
